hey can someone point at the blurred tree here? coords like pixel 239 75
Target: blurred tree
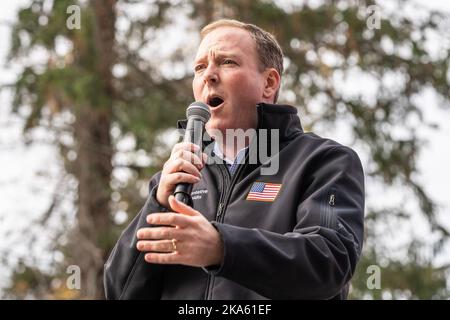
pixel 81 82
pixel 78 82
pixel 113 83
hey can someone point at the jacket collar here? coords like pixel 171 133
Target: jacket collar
pixel 281 117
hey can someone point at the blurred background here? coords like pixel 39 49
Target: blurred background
pixel 90 92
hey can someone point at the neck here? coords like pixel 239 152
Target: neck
pixel 230 144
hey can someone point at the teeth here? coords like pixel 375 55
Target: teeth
pixel 214 102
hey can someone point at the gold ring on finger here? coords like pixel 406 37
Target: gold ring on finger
pixel 174 245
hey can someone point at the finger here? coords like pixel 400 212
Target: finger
pixel 189 157
pixel 178 177
pixel 157 233
pixel 156 246
pixel 167 219
pixel 181 165
pixel 185 146
pixel 163 258
pixel 180 207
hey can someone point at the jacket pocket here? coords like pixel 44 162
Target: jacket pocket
pixel 327 214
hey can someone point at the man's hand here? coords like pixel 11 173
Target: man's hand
pixel 184 165
pixel 197 242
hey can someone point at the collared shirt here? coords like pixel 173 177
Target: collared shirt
pixel 232 165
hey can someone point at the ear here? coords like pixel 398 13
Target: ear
pixel 272 84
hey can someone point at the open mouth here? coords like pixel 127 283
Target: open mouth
pixel 215 101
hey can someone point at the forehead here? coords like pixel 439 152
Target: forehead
pixel 229 39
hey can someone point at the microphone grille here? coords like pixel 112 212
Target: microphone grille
pixel 198 110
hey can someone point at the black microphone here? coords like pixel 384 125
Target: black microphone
pixel 197 115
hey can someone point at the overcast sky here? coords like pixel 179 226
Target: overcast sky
pixel 28 173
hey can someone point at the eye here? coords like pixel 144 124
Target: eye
pixel 199 67
pixel 228 61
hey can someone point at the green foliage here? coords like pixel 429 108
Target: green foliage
pixel 412 278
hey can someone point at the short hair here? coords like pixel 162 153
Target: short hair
pixel 269 51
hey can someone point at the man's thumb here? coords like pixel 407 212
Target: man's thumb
pixel 180 207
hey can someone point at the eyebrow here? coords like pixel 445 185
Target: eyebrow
pixel 219 56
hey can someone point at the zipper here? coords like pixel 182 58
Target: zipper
pixel 219 212
pixel 217 217
pixel 330 220
pixel 227 191
pixel 236 175
pixel 331 201
pixel 223 203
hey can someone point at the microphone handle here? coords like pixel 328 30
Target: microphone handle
pixel 193 134
pixel 184 197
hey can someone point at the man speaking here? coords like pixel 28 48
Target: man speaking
pixel 295 232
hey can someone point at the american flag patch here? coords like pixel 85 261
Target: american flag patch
pixel 262 191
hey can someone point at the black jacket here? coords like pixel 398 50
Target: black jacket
pixel 304 244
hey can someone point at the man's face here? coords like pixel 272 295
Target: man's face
pixel 228 78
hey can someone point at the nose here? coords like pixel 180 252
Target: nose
pixel 210 75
